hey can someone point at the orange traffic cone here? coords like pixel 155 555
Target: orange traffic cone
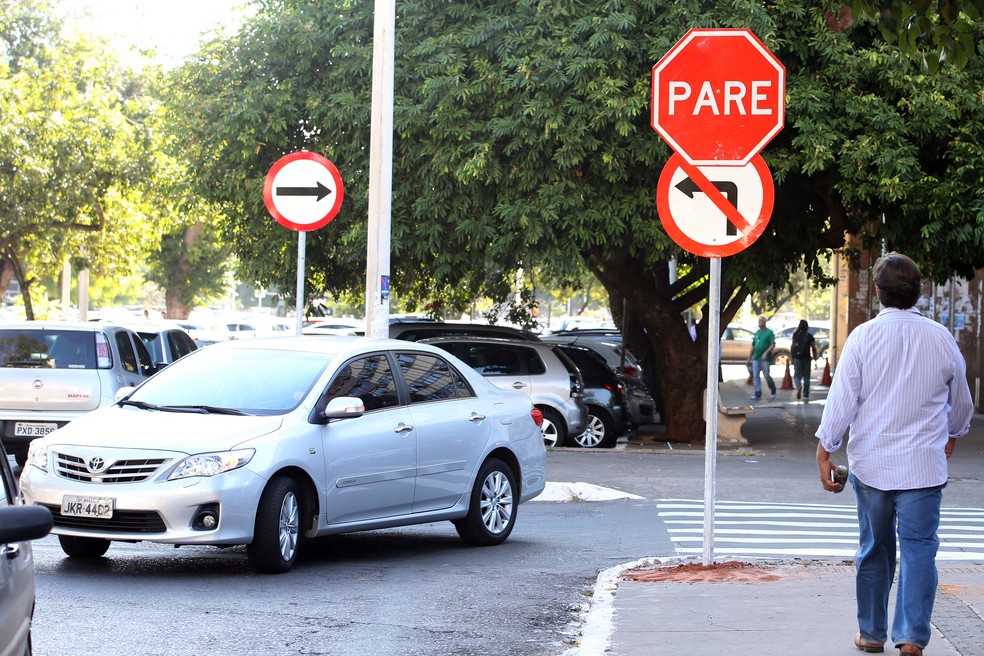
pixel 787 380
pixel 826 380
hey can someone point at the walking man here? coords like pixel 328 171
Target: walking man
pixel 901 388
pixel 760 359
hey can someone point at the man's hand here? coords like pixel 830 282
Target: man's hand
pixel 826 470
pixel 950 445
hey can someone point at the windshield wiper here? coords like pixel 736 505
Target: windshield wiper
pixel 143 405
pixel 206 409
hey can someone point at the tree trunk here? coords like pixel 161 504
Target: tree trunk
pixel 174 308
pixel 674 364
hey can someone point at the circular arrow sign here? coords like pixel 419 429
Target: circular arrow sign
pixel 303 191
pixel 715 211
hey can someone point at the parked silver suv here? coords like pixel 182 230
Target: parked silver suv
pixel 51 372
pixel 551 380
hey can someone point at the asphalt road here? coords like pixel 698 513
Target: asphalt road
pixel 419 590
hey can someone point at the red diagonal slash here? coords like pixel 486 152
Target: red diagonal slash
pixel 714 194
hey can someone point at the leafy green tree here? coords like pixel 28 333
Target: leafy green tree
pixel 72 146
pixel 933 32
pixel 523 141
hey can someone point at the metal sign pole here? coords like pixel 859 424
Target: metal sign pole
pixel 301 253
pixel 710 406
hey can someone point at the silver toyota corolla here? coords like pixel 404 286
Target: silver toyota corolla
pixel 258 442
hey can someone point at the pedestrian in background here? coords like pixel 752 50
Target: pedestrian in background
pixel 901 388
pixel 760 359
pixel 803 350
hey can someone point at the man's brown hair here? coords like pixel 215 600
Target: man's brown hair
pixel 898 279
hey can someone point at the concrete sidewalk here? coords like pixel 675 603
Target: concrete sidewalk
pixel 782 607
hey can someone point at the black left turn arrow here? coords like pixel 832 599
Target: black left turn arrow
pixel 727 187
pixel 320 191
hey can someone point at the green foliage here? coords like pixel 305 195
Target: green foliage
pixel 73 150
pixel 523 141
pixel 935 33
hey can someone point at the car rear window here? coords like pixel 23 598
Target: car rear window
pixel 47 349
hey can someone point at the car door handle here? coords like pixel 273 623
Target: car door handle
pixel 402 428
pixel 11 551
pixel 476 417
pixel 518 385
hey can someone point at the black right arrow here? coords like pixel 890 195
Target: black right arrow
pixel 728 188
pixel 320 191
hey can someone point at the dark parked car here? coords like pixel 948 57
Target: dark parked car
pixel 603 395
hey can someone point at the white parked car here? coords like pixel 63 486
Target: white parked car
pixel 52 372
pixel 260 442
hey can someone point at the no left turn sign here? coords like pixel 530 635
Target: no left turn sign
pixel 303 191
pixel 715 211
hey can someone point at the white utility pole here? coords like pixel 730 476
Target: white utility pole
pixel 380 171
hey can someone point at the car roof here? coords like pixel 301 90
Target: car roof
pixel 87 326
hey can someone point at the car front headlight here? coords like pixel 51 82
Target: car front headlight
pixel 37 455
pixel 210 464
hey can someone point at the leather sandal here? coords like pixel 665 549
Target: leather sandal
pixel 870 647
pixel 906 649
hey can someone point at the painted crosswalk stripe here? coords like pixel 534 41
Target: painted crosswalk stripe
pixel 789 529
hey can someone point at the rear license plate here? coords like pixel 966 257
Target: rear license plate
pixel 98 507
pixel 29 429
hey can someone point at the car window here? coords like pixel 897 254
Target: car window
pixel 55 349
pixel 534 363
pixel 495 360
pixel 128 359
pixel 430 378
pixel 369 378
pixel 180 344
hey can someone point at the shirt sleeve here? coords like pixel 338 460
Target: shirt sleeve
pixel 961 404
pixel 842 399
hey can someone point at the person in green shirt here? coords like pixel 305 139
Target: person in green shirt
pixel 760 359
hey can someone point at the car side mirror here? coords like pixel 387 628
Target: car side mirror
pixel 344 407
pixel 22 523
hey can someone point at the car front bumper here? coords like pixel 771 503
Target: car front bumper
pixel 154 510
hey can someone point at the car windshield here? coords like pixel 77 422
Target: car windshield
pixel 251 381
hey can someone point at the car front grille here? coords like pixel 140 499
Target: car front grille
pixel 123 521
pixel 121 471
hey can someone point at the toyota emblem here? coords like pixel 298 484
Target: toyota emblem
pixel 96 464
pixel 38 383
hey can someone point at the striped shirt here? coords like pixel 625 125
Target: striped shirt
pixel 901 388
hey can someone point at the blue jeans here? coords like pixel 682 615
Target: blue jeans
pixel 914 515
pixel 801 374
pixel 763 367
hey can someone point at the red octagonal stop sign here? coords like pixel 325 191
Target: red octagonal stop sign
pixel 718 96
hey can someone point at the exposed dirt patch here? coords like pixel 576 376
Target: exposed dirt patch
pixel 726 572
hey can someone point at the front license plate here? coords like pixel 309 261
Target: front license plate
pixel 99 507
pixel 31 429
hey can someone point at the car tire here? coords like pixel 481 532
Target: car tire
pixel 600 431
pixel 781 358
pixel 276 532
pixel 77 547
pixel 553 429
pixel 492 507
pixel 20 457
